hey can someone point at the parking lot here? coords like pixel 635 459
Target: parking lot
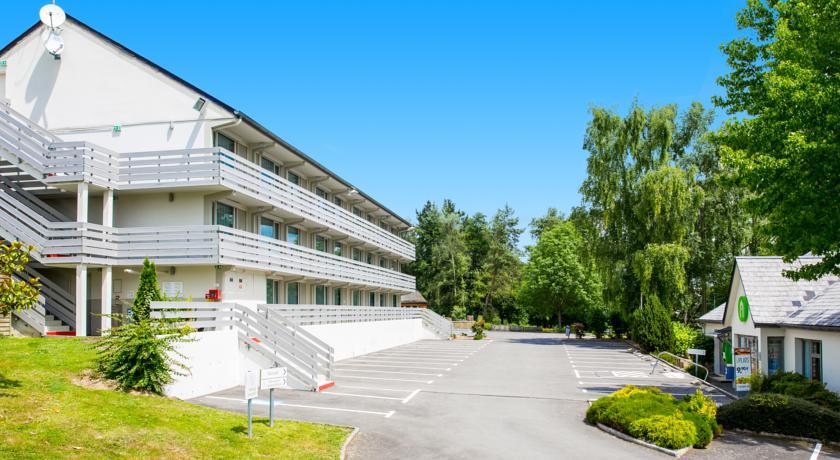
pixel 516 395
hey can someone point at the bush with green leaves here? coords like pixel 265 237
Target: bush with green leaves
pixel 459 312
pixel 478 328
pixel 618 323
pixel 651 326
pixel 793 384
pixel 16 294
pixel 597 319
pixel 141 355
pixel 148 291
pixel 685 337
pixel 656 417
pixel 781 414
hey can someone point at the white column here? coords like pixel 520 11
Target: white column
pixel 106 297
pixel 81 300
pixel 82 203
pixel 107 272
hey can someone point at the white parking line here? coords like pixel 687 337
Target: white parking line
pixel 424 353
pixel 413 394
pixel 265 403
pixel 362 377
pixel 375 388
pixel 419 361
pixel 816 452
pixel 398 367
pixel 358 395
pixel 394 372
pixel 577 374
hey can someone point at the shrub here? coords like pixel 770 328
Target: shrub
pixel 626 409
pixel 459 312
pixel 597 318
pixel 793 384
pixel 618 323
pixel 781 414
pixel 139 354
pixel 651 327
pixel 664 430
pixel 685 337
pixel 579 329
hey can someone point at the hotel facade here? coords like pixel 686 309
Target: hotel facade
pixel 108 159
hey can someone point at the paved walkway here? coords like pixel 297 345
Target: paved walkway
pixel 517 395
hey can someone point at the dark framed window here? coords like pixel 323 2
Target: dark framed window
pixel 292 293
pixel 336 296
pixel 337 249
pixel 357 297
pixel 321 192
pixel 225 215
pixel 372 299
pixel 293 178
pixel 320 295
pixel 225 142
pixel 293 235
pixel 268 228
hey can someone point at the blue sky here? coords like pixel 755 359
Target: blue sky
pixel 483 102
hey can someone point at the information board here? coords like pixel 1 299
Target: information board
pixel 743 369
pixel 252 384
pixel 274 377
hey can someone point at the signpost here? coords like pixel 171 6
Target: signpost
pixel 697 352
pixel 743 369
pixel 271 379
pixel 252 390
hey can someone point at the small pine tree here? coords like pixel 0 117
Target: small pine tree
pixel 651 326
pixel 147 292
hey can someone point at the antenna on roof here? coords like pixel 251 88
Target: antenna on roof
pixel 53 17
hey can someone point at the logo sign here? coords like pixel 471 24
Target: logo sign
pixel 697 351
pixel 252 384
pixel 743 369
pixel 273 378
pixel 743 309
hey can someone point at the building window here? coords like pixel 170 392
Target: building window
pixel 292 293
pixel 383 262
pixel 336 296
pixel 268 228
pixel 338 201
pixel 811 359
pixel 293 235
pixel 269 165
pixel 320 295
pixel 225 215
pixel 357 298
pixel 337 249
pixel 225 143
pixel 357 254
pixel 372 299
pixel 370 258
pixel 357 212
pixel 382 301
pixel 394 299
pixel 293 178
pixel 272 291
pixel 321 192
pixel 320 243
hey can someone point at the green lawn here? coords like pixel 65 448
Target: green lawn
pixel 44 415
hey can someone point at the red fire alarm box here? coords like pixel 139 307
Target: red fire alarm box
pixel 213 295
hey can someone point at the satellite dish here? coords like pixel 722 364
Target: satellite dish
pixel 52 15
pixel 54 44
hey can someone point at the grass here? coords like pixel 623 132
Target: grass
pixel 44 415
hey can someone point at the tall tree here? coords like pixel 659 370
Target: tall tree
pixel 501 268
pixel 555 281
pixel 785 78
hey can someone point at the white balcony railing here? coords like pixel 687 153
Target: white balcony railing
pixel 43 155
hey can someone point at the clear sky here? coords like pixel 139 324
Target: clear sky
pixel 481 102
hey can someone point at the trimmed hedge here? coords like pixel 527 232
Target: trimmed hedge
pixel 781 414
pixel 656 417
pixel 793 384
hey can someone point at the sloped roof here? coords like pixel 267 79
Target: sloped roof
pixel 822 312
pixel 772 296
pixel 414 297
pixel 714 315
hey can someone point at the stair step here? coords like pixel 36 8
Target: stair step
pixel 57 328
pixel 51 323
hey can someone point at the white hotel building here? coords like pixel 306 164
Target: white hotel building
pixel 107 158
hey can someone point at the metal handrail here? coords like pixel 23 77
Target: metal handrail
pixel 658 356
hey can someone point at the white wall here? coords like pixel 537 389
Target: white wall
pixel 353 339
pixel 155 209
pixel 94 86
pixel 213 359
pixel 830 352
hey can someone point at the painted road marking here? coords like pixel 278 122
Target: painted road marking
pixel 337 409
pixel 816 452
pixel 398 367
pixel 631 374
pixel 577 374
pixel 361 377
pixel 375 388
pixel 413 394
pixel 394 372
pixel 358 395
pixel 421 361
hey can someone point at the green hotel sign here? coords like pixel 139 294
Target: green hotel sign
pixel 743 309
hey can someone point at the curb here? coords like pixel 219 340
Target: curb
pixel 343 454
pixel 673 453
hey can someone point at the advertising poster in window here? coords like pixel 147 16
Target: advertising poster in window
pixel 743 369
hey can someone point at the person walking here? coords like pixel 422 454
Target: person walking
pixel 568 331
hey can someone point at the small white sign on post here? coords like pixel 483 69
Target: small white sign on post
pixel 252 384
pixel 697 351
pixel 274 377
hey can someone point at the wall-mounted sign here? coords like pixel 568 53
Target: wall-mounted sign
pixel 743 309
pixel 743 369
